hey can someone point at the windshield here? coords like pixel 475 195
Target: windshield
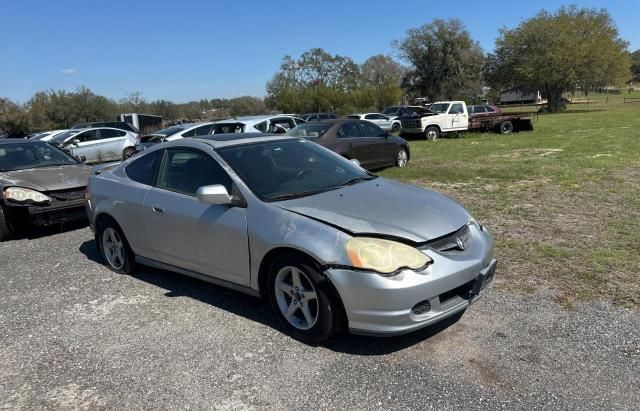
pixel 60 138
pixel 439 108
pixel 281 170
pixel 33 155
pixel 309 130
pixel 391 110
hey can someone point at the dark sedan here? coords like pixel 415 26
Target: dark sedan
pixel 40 185
pixel 357 139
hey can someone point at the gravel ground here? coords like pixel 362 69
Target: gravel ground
pixel 75 335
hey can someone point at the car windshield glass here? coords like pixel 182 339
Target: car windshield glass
pixel 309 130
pixel 60 138
pixel 33 155
pixel 390 110
pixel 439 108
pixel 169 131
pixel 282 170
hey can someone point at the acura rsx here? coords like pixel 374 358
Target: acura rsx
pixel 325 242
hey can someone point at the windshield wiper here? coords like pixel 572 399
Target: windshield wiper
pixel 290 196
pixel 357 180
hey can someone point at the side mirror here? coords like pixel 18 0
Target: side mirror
pixel 74 142
pixel 355 161
pixel 81 159
pixel 215 194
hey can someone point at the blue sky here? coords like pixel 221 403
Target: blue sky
pixel 189 50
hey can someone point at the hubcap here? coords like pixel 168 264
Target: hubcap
pixel 431 134
pixel 402 158
pixel 113 248
pixel 296 298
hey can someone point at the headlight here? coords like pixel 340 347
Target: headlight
pixel 384 256
pixel 21 195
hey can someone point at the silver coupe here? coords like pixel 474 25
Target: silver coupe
pixel 328 244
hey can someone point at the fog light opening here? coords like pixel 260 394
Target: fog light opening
pixel 422 307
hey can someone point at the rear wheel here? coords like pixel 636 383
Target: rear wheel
pixel 5 228
pixel 114 248
pixel 506 127
pixel 402 157
pixel 302 299
pixel 432 133
pixel 395 128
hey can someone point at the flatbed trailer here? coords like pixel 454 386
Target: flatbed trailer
pixel 502 123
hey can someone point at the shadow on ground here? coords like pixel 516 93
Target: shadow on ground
pixel 35 232
pixel 257 310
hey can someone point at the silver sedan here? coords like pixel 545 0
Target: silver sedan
pixel 326 243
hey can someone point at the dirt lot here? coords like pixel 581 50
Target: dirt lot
pixel 76 335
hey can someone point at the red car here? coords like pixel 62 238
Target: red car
pixel 484 110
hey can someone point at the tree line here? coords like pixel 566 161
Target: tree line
pixel 554 53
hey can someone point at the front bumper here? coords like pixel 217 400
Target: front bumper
pixel 377 305
pixel 46 215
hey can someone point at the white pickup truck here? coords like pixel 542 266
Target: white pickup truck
pixel 444 117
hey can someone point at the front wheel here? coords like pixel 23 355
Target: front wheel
pixel 303 300
pixel 5 228
pixel 402 157
pixel 128 152
pixel 395 128
pixel 114 248
pixel 432 133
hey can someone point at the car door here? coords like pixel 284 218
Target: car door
pixel 355 143
pixel 111 144
pixel 87 145
pixel 457 117
pixel 382 147
pixel 208 239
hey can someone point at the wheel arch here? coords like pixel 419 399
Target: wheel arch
pixel 433 125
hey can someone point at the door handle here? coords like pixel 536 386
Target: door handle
pixel 157 209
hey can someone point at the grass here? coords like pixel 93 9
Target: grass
pixel 563 201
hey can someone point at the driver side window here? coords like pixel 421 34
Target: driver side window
pixel 456 109
pixel 185 170
pixel 349 130
pixel 88 135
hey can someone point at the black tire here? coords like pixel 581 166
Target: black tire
pixel 402 157
pixel 395 128
pixel 5 227
pixel 128 152
pixel 506 127
pixel 431 133
pixel 128 265
pixel 328 309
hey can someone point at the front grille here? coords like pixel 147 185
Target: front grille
pixel 412 123
pixel 464 291
pixel 68 195
pixel 458 240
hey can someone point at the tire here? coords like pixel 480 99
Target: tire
pixel 402 157
pixel 506 127
pixel 5 228
pixel 431 133
pixel 290 297
pixel 114 248
pixel 128 152
pixel 395 128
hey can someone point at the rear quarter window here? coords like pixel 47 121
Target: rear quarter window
pixel 143 169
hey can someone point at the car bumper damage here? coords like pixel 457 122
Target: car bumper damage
pixel 56 212
pixel 387 306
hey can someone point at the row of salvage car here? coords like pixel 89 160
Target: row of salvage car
pixel 329 245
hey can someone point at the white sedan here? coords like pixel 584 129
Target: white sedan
pixel 386 123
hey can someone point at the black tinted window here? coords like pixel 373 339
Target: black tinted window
pixel 185 170
pixel 108 133
pixel 374 117
pixel 261 127
pixel 142 169
pixel 349 130
pixel 371 130
pixel 199 131
pixel 88 135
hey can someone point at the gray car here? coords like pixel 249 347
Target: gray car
pixel 325 242
pixel 39 185
pixel 97 145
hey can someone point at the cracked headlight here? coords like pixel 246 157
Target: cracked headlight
pixel 22 195
pixel 384 256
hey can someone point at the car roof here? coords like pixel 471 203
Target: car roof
pixel 251 119
pixel 235 139
pixel 333 121
pixel 20 141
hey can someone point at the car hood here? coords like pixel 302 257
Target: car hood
pixel 385 208
pixel 47 178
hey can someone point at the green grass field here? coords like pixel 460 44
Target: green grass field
pixel 563 201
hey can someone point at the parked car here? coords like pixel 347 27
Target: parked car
pixel 278 124
pixel 318 116
pixel 40 185
pixel 175 132
pixel 380 120
pixel 325 242
pixel 97 145
pixel 484 110
pixel 396 111
pixel 357 139
pixel 112 124
pixel 45 135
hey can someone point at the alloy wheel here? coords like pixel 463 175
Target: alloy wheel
pixel 113 248
pixel 402 159
pixel 297 298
